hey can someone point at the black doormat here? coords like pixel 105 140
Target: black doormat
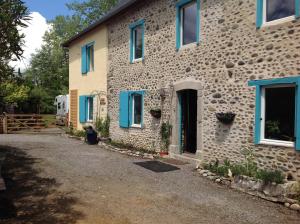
pixel 157 166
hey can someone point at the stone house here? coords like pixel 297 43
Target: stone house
pixel 194 59
pixel 88 77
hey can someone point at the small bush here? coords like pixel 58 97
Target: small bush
pixel 102 126
pixel 81 133
pixel 296 189
pixel 268 176
pixel 165 132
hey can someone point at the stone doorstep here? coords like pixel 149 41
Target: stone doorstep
pixel 194 161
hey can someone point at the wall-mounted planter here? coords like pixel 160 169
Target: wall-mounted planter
pixel 156 113
pixel 226 118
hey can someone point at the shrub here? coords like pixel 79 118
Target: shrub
pixel 80 133
pixel 102 126
pixel 269 176
pixel 296 189
pixel 165 134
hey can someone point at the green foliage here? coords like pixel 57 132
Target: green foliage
pixel 102 126
pixel 12 92
pixel 91 10
pixel 248 168
pixel 296 189
pixel 13 15
pixel 272 127
pixel 269 176
pixel 80 133
pixel 165 132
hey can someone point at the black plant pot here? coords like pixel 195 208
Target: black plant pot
pixel 156 113
pixel 226 118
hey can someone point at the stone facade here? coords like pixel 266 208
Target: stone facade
pixel 231 52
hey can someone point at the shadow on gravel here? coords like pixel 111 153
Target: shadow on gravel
pixel 30 198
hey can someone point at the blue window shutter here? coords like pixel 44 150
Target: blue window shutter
pixel 257 115
pixel 124 109
pixel 259 13
pixel 297 8
pixel 82 109
pixel 83 60
pixel 297 116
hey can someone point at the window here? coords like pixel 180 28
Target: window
pixel 86 108
pixel 278 9
pixel 278 114
pixel 131 109
pixel 187 22
pixel 137 109
pixel 90 106
pixel 87 58
pixel 276 117
pixel 275 11
pixel 137 41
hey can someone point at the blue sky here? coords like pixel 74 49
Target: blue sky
pixel 49 8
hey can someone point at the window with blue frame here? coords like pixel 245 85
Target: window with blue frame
pixel 131 109
pixel 137 40
pixel 86 108
pixel 276 11
pixel 187 22
pixel 277 115
pixel 87 58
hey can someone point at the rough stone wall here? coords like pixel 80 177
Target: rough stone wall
pixel 231 52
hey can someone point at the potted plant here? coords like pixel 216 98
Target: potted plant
pixel 226 118
pixel 156 113
pixel 165 132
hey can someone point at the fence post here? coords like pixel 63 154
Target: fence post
pixel 4 123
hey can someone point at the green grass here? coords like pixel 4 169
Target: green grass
pixel 49 119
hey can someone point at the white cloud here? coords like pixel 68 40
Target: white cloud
pixel 37 27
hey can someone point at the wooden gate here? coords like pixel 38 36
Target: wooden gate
pixel 16 123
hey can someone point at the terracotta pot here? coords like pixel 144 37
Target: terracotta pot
pixel 163 153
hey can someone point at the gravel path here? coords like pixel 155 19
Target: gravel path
pixel 54 179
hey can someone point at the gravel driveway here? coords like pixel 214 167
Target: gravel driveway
pixel 54 179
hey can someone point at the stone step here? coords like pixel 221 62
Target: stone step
pixel 186 158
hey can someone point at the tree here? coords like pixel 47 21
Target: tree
pixel 91 10
pixel 47 75
pixel 13 14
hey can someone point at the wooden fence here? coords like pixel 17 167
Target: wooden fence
pixel 16 123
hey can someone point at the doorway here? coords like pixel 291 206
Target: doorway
pixel 188 121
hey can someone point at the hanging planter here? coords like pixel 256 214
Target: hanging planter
pixel 226 118
pixel 156 113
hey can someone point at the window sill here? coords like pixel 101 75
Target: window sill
pixel 136 126
pixel 188 46
pixel 277 143
pixel 137 60
pixel 278 21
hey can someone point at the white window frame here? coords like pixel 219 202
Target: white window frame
pixel 133 102
pixel 181 25
pixel 277 21
pixel 88 109
pixel 133 44
pixel 263 140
